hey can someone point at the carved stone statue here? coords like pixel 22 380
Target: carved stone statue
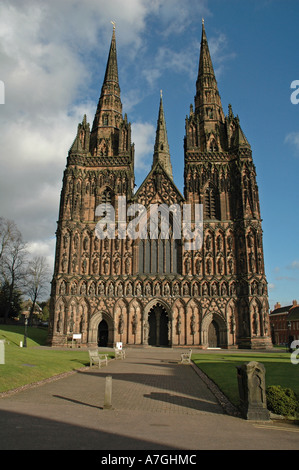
pixel 252 391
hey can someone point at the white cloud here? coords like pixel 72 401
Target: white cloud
pixel 295 265
pixel 218 46
pixel 176 16
pixel 184 60
pixel 166 59
pixel 43 248
pixel 143 135
pixel 32 164
pixel 293 139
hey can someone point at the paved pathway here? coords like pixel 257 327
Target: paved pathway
pixel 158 404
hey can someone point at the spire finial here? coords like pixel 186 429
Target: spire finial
pixel 113 22
pixel 203 21
pixel 161 93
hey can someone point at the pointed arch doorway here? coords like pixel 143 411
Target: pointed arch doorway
pixel 213 335
pixel 214 331
pixel 158 326
pixel 100 330
pixel 103 334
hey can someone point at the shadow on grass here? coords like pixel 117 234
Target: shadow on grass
pixel 15 333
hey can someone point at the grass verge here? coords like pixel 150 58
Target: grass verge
pixel 33 364
pixel 221 368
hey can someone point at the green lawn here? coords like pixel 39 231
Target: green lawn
pixel 32 364
pixel 221 368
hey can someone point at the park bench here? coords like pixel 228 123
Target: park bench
pixel 186 357
pixel 119 353
pixel 96 358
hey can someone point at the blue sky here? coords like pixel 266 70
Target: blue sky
pixel 52 61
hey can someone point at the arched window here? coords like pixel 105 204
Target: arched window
pixel 108 198
pixel 213 146
pixel 211 203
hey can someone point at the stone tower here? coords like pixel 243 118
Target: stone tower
pixel 220 174
pixel 152 290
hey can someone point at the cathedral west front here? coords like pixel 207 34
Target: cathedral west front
pixel 155 290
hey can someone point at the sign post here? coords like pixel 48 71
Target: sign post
pixel 2 351
pixel 108 393
pixel 76 337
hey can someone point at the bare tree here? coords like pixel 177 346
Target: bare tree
pixel 8 233
pixel 37 279
pixel 12 259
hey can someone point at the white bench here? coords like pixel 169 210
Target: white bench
pixel 96 358
pixel 186 357
pixel 119 353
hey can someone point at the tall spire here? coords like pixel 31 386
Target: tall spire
pixel 108 117
pixel 207 100
pixel 161 151
pixel 111 74
pixel 109 109
pixel 205 125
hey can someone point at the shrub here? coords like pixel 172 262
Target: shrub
pixel 281 401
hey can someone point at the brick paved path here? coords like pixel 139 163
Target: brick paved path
pixel 158 404
pixel 157 383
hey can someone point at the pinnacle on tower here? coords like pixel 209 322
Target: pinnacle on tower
pixel 81 142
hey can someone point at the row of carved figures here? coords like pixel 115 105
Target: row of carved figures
pixel 212 243
pixel 183 288
pixel 211 266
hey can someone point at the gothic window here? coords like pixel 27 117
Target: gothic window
pixel 103 149
pixel 159 255
pixel 211 203
pixel 105 120
pixel 213 146
pixel 108 198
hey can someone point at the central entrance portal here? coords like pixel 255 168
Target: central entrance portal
pixel 158 326
pixel 103 334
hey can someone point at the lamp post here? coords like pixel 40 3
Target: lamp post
pixel 273 334
pixel 289 336
pixel 25 333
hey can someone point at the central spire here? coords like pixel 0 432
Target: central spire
pixel 161 151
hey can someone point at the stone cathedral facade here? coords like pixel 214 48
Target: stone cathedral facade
pixel 155 292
